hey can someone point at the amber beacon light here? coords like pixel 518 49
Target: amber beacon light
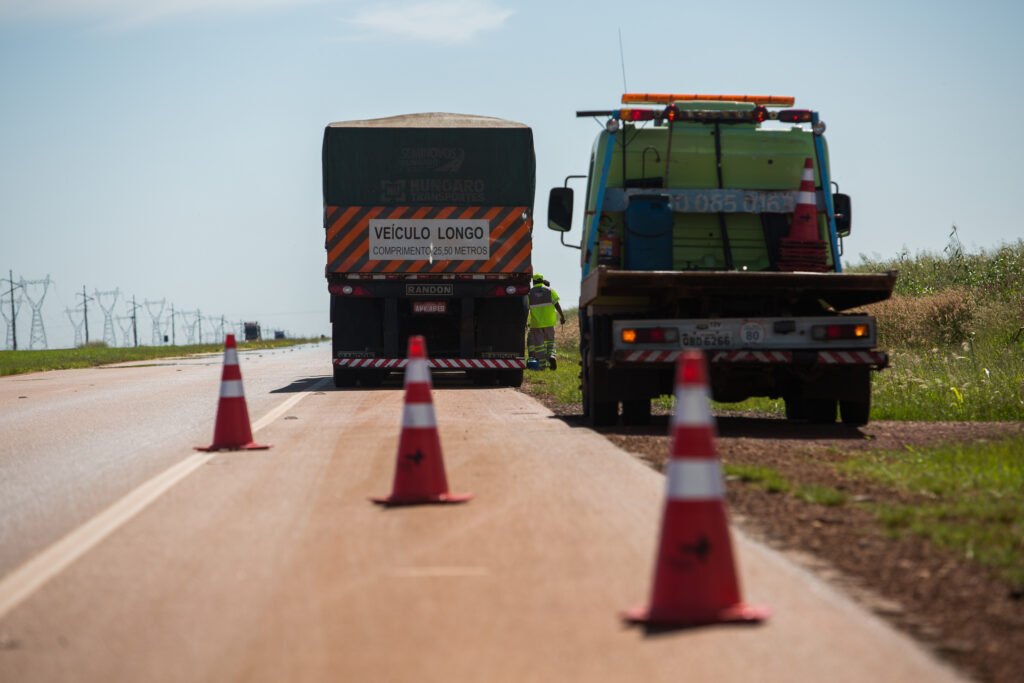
pixel 669 98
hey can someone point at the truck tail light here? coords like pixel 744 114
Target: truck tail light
pixel 510 290
pixel 650 335
pixel 349 290
pixel 795 115
pixel 637 114
pixel 840 331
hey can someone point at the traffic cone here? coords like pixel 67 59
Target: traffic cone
pixel 419 469
pixel 231 431
pixel 803 249
pixel 695 577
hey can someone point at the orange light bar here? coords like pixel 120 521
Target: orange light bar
pixel 664 98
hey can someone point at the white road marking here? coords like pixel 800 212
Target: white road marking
pixel 31 576
pixel 433 572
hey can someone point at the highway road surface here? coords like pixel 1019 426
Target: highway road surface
pixel 127 556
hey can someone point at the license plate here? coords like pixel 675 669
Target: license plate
pixel 429 306
pixel 704 340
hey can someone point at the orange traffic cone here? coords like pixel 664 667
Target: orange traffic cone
pixel 804 249
pixel 419 470
pixel 232 431
pixel 695 576
pixel 805 214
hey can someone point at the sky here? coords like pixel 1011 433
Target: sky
pixel 170 149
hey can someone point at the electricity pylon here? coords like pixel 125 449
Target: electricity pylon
pixel 108 314
pixel 13 305
pixel 158 337
pixel 190 320
pixel 216 327
pixel 38 333
pixel 77 323
pixel 125 323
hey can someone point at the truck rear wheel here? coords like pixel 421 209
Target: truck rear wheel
pixel 636 411
pixel 601 411
pixel 857 410
pixel 821 410
pixel 511 378
pixel 372 378
pixel 796 408
pixel 344 377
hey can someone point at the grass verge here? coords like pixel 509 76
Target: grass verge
pixel 19 362
pixel 769 479
pixel 967 498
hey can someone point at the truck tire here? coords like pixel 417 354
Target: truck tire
pixel 511 378
pixel 856 411
pixel 599 409
pixel 371 378
pixel 482 378
pixel 821 410
pixel 603 413
pixel 796 407
pixel 636 411
pixel 344 378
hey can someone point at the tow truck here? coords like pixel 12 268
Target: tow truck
pixel 690 241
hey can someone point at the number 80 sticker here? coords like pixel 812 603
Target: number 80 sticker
pixel 752 333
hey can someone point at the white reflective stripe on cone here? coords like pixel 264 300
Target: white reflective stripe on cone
pixel 695 479
pixel 230 356
pixel 418 415
pixel 806 198
pixel 692 407
pixel 231 388
pixel 417 371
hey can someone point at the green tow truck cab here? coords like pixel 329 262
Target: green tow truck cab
pixel 710 222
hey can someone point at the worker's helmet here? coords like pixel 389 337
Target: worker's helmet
pixel 537 277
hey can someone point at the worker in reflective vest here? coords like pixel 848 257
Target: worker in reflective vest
pixel 540 343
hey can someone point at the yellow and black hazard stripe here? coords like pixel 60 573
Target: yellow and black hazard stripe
pixel 348 239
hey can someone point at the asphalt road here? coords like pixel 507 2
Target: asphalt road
pixel 126 556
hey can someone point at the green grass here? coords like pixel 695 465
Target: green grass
pixel 985 382
pixel 969 498
pixel 993 273
pixel 18 362
pixel 765 477
pixel 821 495
pixel 562 384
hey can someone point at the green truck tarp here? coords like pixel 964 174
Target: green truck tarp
pixel 428 160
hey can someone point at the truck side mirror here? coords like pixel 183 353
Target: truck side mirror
pixel 844 215
pixel 560 209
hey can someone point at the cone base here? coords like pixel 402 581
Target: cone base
pixel 734 614
pixel 439 499
pixel 242 447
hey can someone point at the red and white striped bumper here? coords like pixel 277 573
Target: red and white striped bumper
pixel 436 363
pixel 879 358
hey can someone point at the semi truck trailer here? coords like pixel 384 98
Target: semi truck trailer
pixel 428 222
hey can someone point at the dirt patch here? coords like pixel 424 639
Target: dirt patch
pixel 959 609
